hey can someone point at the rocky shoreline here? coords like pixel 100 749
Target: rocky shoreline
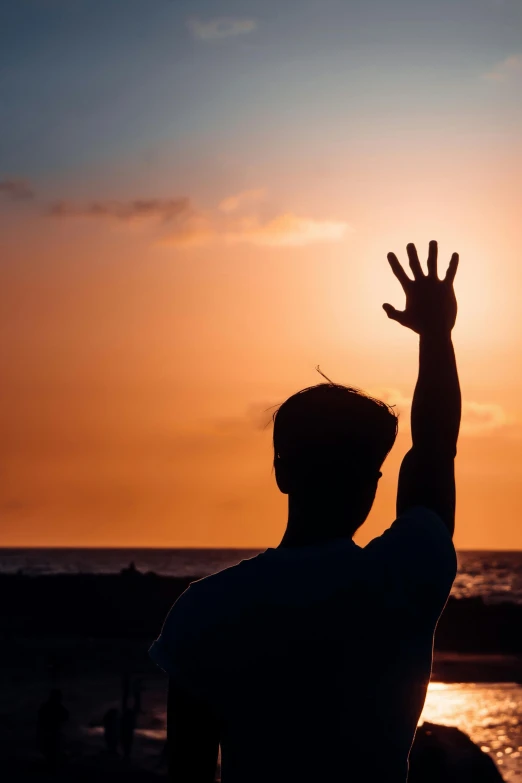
pixel 134 605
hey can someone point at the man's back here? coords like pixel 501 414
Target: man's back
pixel 315 660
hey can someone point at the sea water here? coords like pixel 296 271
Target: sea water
pixel 494 576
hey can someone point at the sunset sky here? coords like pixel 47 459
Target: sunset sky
pixel 196 202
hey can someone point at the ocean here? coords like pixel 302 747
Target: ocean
pixel 492 575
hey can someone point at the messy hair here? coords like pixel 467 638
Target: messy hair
pixel 329 426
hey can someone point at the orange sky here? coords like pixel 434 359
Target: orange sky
pixel 157 297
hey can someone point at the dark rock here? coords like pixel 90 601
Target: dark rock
pixel 444 754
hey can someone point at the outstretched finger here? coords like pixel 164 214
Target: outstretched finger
pixel 414 261
pixel 452 269
pixel 432 258
pixel 397 270
pixel 393 314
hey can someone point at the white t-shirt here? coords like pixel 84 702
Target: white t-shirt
pixel 316 659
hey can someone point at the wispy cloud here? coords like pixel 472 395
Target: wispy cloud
pixel 163 210
pixel 481 418
pixel 220 27
pixel 394 397
pixel 287 230
pixel 241 200
pixel 249 217
pixel 246 217
pixel 16 190
pixel 478 418
pixel 257 417
pixel 505 70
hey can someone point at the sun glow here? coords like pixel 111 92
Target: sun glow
pixel 476 286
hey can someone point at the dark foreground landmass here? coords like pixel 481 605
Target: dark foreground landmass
pixel 84 634
pixel 134 605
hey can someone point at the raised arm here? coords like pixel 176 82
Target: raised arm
pixel 427 475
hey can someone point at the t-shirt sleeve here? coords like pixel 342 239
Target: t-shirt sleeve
pixel 172 650
pixel 415 560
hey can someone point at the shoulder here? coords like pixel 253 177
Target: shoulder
pixel 224 586
pixel 417 530
pixel 417 552
pixel 197 611
pixel 204 601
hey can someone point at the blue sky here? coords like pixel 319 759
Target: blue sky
pixel 85 83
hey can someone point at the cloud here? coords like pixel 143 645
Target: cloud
pixel 16 190
pixel 241 200
pixel 163 210
pixel 393 397
pixel 257 417
pixel 241 218
pixel 505 70
pixel 482 418
pixel 287 230
pixel 478 418
pixel 284 230
pixel 195 229
pixel 248 217
pixel 220 27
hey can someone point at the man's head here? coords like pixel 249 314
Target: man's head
pixel 329 444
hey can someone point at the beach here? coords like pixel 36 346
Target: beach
pixel 89 673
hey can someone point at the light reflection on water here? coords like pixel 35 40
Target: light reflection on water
pixel 491 713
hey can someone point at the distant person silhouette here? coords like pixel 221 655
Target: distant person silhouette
pixel 51 717
pixel 128 724
pixel 137 691
pixel 111 729
pixel 311 661
pixel 128 719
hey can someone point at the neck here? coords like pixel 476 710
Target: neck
pixel 314 521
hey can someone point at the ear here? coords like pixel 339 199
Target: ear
pixel 281 475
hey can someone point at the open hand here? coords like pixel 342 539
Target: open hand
pixel 431 306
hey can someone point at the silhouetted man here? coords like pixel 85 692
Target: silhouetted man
pixel 310 662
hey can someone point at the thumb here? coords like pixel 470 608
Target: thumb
pixel 393 314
